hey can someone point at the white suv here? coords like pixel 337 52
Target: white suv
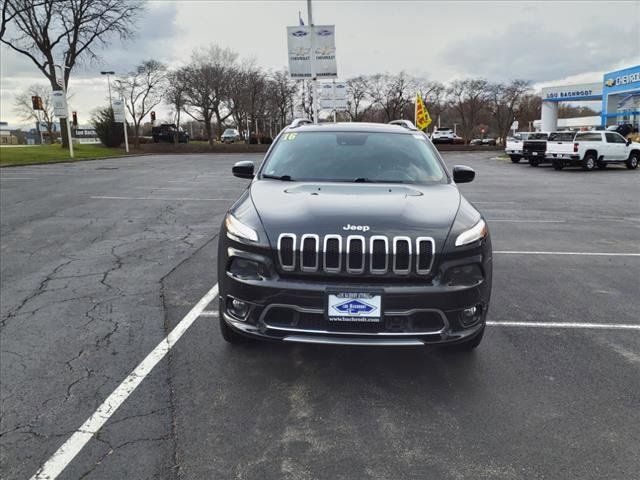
pixel 598 149
pixel 443 135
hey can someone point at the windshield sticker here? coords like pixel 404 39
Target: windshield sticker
pixel 290 136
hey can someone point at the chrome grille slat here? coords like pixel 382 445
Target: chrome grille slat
pixel 304 241
pixel 398 270
pixel 325 254
pixel 352 240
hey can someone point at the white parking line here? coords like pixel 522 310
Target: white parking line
pixel 67 452
pixel 598 326
pixel 588 254
pixel 209 313
pixel 524 221
pixel 104 197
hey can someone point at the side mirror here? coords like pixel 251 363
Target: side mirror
pixel 243 169
pixel 463 174
pixel 628 142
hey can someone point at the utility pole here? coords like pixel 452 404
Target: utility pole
pixel 67 119
pixel 314 78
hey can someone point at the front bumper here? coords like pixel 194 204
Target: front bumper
pixel 424 314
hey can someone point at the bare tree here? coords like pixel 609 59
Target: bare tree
pixel 282 92
pixel 175 97
pixel 358 97
pixel 142 91
pixel 207 80
pixel 392 93
pixel 503 103
pixel 65 32
pixel 468 98
pixel 23 106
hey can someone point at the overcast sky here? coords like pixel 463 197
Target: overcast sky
pixel 545 42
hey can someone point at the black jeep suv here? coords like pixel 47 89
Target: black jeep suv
pixel 354 233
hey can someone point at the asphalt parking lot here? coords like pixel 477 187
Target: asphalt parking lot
pixel 101 260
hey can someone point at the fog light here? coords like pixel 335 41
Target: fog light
pixel 238 308
pixel 471 316
pixel 468 312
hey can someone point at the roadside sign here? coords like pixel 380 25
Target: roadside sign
pixel 333 96
pixel 515 125
pixel 312 51
pixel 59 104
pixel 118 110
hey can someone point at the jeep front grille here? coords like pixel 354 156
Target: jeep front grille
pixel 356 254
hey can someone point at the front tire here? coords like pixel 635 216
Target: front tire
pixel 557 165
pixel 589 162
pixel 632 162
pixel 472 343
pixel 534 162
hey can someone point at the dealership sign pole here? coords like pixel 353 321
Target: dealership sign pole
pixel 311 51
pixel 60 108
pixel 119 117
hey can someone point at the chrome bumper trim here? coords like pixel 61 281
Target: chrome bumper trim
pixel 354 341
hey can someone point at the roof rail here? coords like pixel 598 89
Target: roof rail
pixel 404 123
pixel 300 121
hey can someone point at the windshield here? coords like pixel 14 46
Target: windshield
pixel 355 156
pixel 229 131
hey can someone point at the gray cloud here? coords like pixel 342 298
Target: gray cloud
pixel 535 52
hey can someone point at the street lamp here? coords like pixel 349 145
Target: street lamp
pixel 108 82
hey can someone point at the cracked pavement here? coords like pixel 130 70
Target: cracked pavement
pixel 90 286
pixel 82 298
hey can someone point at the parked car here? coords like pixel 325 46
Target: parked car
pixel 559 145
pixel 476 141
pixel 489 141
pixel 457 140
pixel 534 148
pixel 230 135
pixel 598 149
pixel 513 147
pixel 443 135
pixel 354 234
pixel 167 132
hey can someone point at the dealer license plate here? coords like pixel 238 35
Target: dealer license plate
pixel 354 307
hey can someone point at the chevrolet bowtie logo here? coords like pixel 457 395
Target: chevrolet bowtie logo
pixel 610 83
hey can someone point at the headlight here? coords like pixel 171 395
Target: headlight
pixel 238 229
pixel 475 233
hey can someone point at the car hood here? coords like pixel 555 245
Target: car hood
pixel 330 208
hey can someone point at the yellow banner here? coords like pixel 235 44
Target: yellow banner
pixel 423 119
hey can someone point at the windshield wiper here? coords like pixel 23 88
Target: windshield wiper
pixel 368 180
pixel 285 178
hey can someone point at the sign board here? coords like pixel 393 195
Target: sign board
pixel 573 93
pixel 312 51
pixel 118 110
pixel 333 96
pixel 59 104
pixel 622 80
pixel 515 125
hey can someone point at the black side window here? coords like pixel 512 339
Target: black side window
pixel 611 137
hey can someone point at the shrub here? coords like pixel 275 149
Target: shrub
pixel 109 132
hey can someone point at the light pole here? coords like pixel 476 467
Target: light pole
pixel 108 82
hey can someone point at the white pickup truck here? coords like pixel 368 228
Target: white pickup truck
pixel 513 147
pixel 594 149
pixel 559 147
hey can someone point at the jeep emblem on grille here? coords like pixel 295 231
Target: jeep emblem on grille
pixel 361 228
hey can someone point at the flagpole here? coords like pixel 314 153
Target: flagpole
pixel 415 110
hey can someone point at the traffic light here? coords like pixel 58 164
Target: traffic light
pixel 74 116
pixel 153 116
pixel 36 102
